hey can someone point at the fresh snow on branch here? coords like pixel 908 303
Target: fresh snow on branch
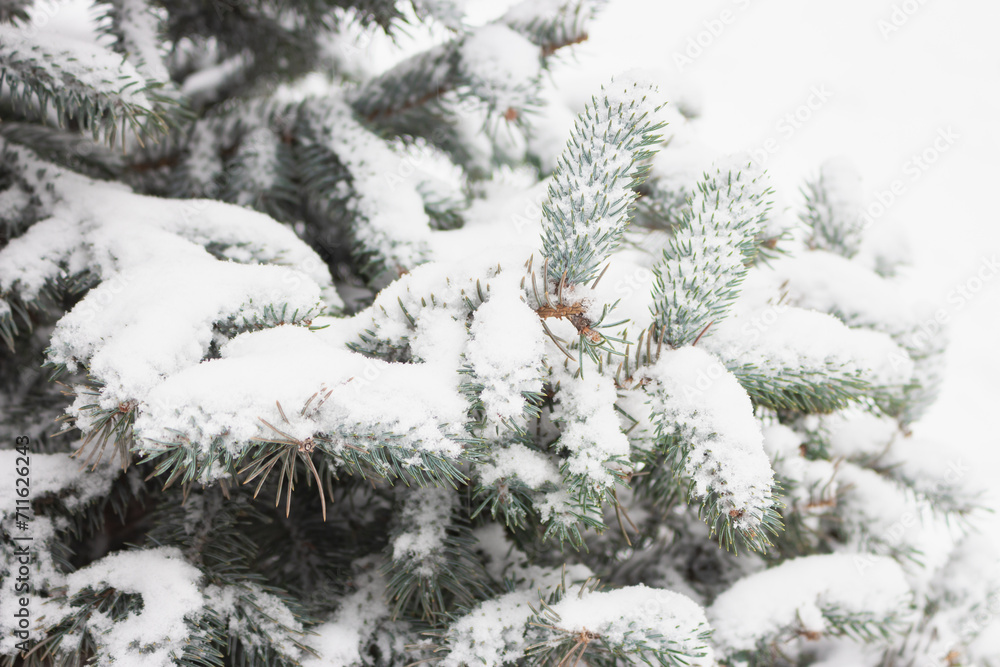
pixel 705 422
pixel 155 635
pixel 812 594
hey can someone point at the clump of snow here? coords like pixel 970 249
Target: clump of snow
pixel 58 474
pixel 391 221
pixel 118 332
pixel 44 573
pixel 353 396
pixel 855 433
pixel 500 66
pixel 152 256
pixel 495 632
pixel 259 618
pixel 505 353
pixel 698 401
pixel 591 431
pixel 829 283
pixel 14 200
pixel 138 24
pixel 51 475
pixel 424 518
pixel 775 338
pixel 439 339
pixel 440 287
pixel 492 633
pixel 637 619
pixel 157 634
pixel 343 640
pixel 799 593
pixel 495 548
pixel 440 182
pixel 515 461
pixel 204 84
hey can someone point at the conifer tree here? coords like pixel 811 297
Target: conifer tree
pixel 312 365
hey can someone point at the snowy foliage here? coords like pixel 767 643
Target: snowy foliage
pixel 592 193
pixel 358 369
pixel 712 439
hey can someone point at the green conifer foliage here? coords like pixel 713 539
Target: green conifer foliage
pixel 313 364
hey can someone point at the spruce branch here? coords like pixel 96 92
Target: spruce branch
pixel 592 195
pixel 430 561
pixel 458 67
pixel 707 438
pixel 288 451
pixel 15 11
pixel 553 25
pixel 706 259
pixel 833 203
pixel 83 85
pixel 819 390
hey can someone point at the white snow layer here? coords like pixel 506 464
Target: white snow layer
pixel 225 399
pixel 156 635
pixel 829 283
pixel 798 593
pixel 392 221
pixel 696 398
pixel 501 66
pixel 342 641
pixel 425 517
pixel 53 474
pixel 151 256
pixel 139 23
pixel 515 461
pixel 775 338
pixel 633 619
pixel 638 616
pixel 494 632
pixel 506 352
pixel 591 431
pixel 256 617
pixel 56 476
